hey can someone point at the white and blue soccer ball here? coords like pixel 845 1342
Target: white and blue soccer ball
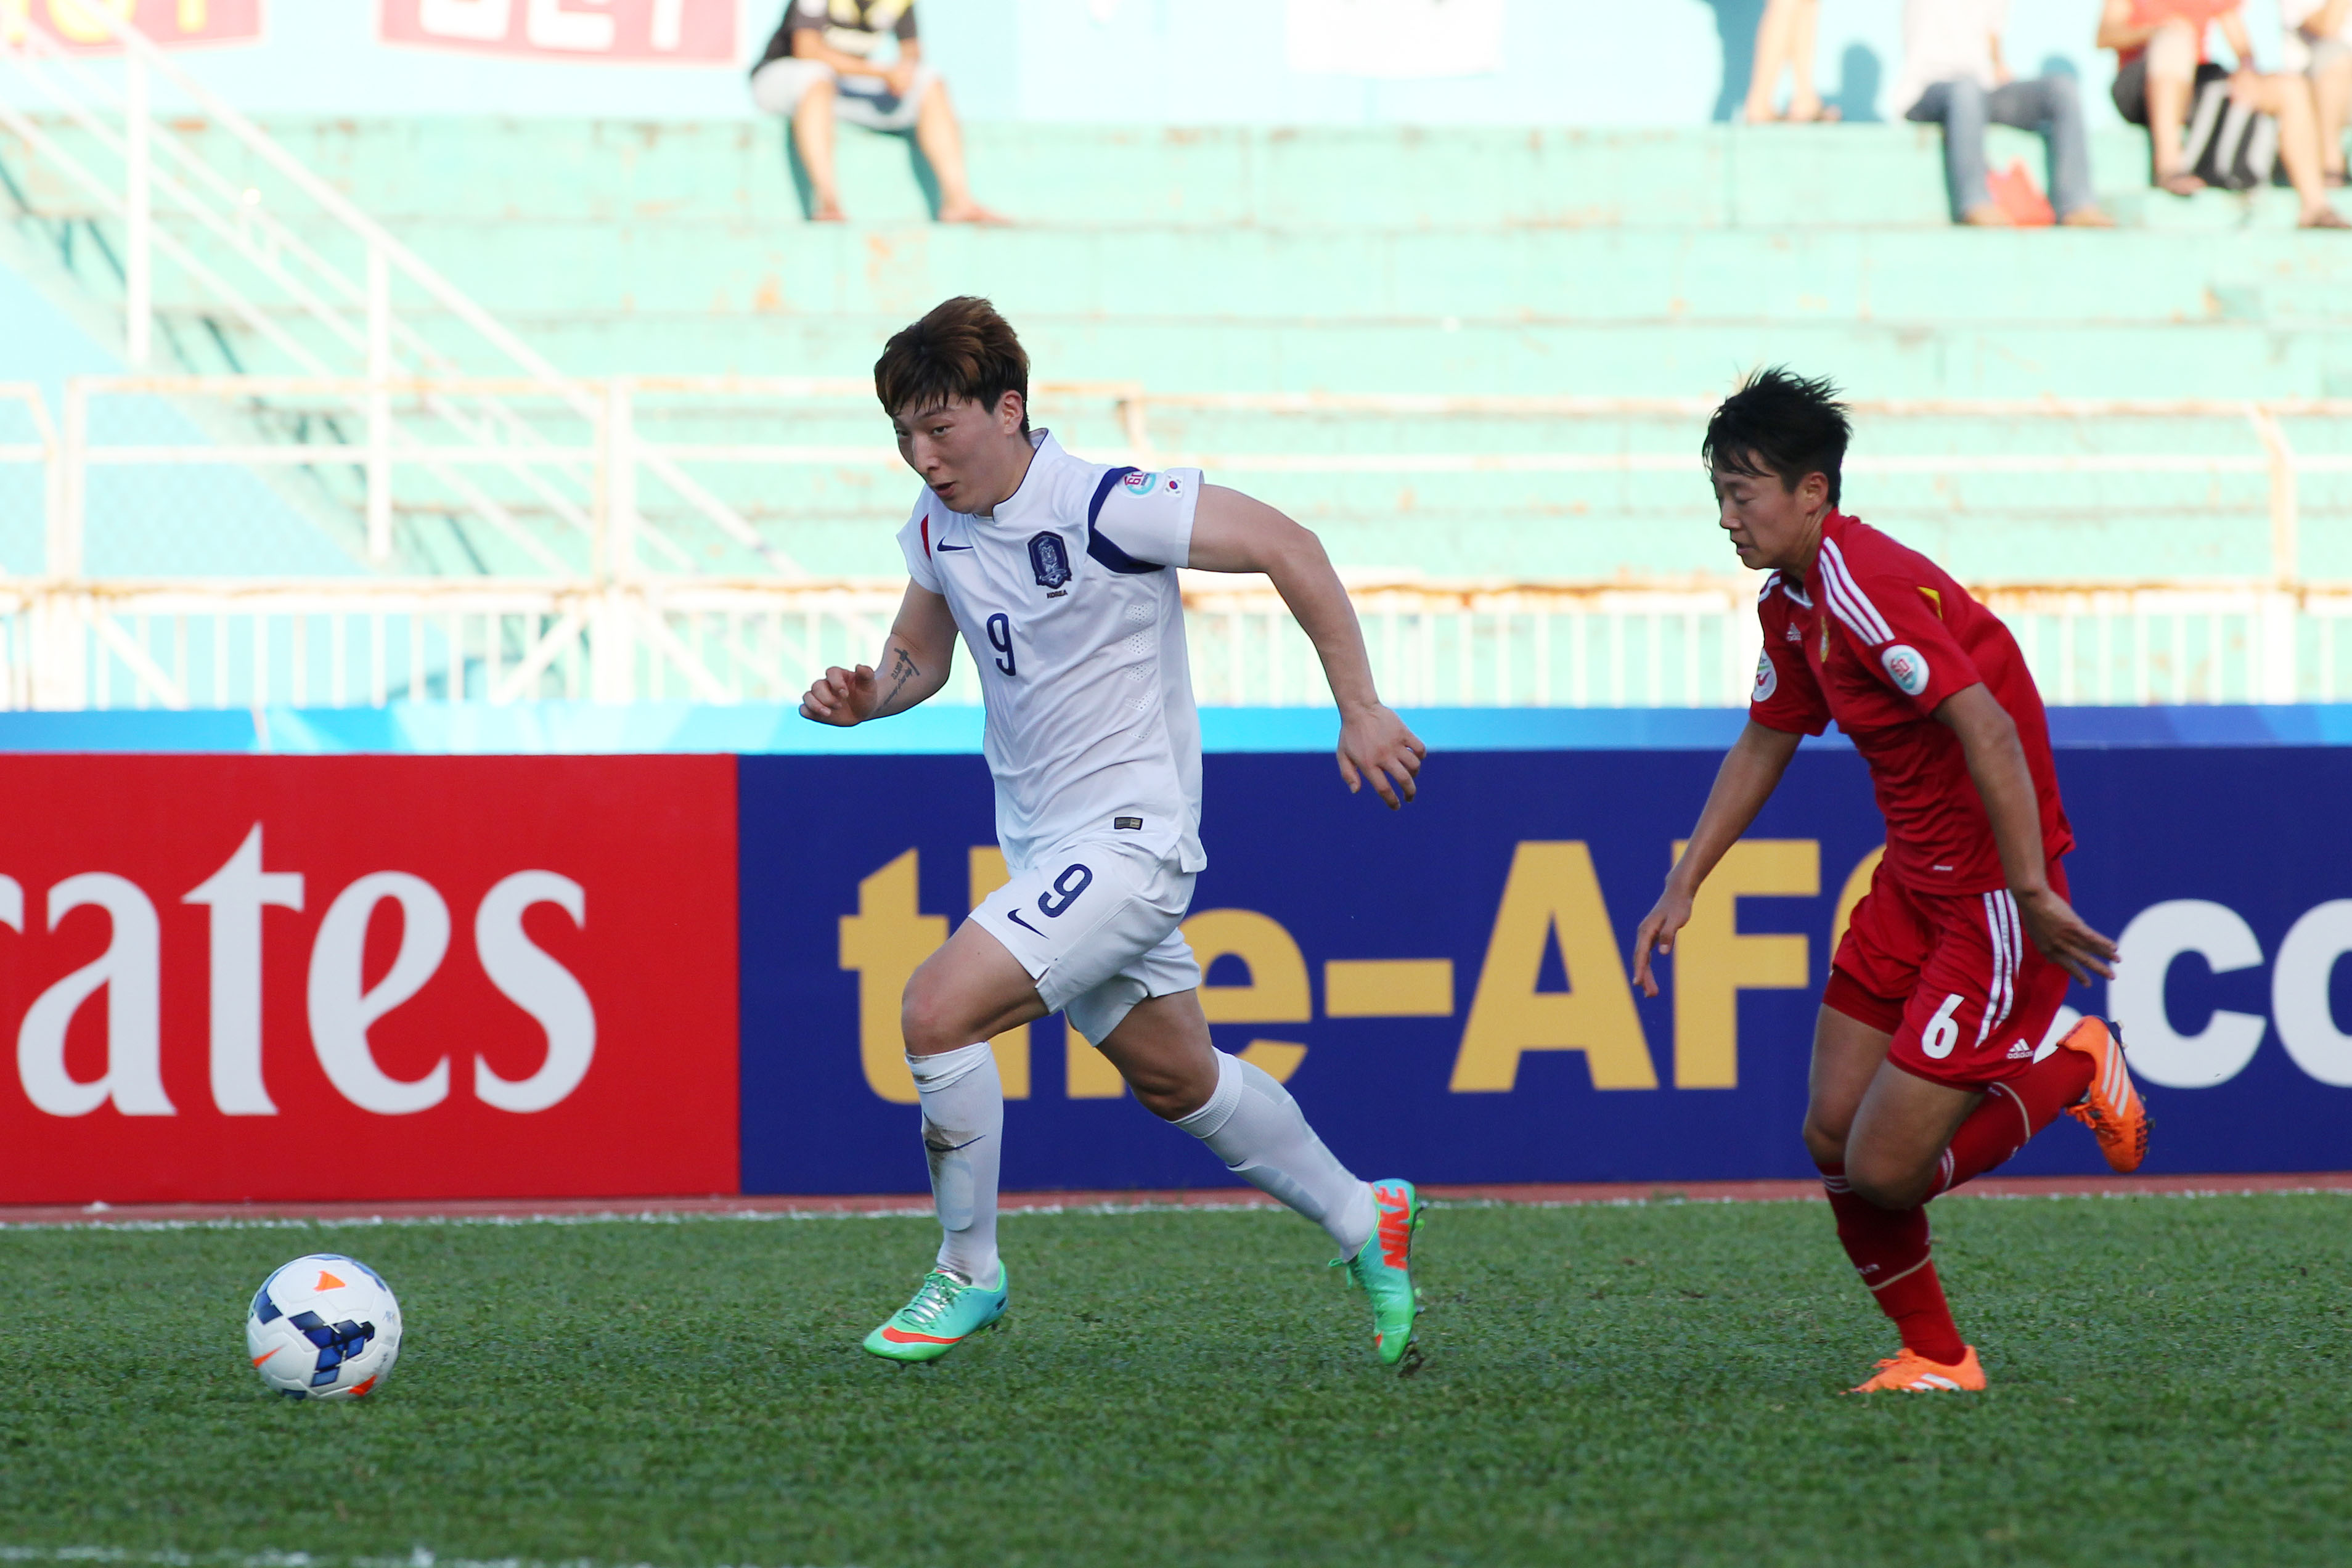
pixel 323 1327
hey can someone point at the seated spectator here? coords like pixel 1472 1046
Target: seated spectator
pixel 1953 74
pixel 1784 42
pixel 2318 44
pixel 821 65
pixel 2158 46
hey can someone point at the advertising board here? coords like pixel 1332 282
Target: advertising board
pixel 233 977
pixel 168 22
pixel 1447 988
pixel 380 977
pixel 636 32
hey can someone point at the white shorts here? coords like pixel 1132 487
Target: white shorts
pixel 779 86
pixel 1094 923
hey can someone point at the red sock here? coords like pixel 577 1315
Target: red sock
pixel 1889 1248
pixel 2010 1114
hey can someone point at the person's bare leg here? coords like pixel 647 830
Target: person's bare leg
pixel 964 995
pixel 936 133
pixel 1899 1136
pixel 1245 1117
pixel 1805 28
pixel 970 989
pixel 1847 1054
pixel 1888 1248
pixel 813 134
pixel 1772 31
pixel 2171 75
pixel 1161 1047
pixel 2289 98
pixel 2331 96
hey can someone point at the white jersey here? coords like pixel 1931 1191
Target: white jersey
pixel 1067 599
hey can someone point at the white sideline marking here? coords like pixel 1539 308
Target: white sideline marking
pixel 420 1558
pixel 1109 1211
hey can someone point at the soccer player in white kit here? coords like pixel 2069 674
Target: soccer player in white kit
pixel 1060 575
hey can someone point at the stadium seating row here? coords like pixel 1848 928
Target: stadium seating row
pixel 1462 263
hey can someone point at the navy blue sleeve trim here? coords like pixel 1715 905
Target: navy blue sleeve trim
pixel 1102 548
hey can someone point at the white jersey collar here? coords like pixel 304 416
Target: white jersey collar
pixel 1036 485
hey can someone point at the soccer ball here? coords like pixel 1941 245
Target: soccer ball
pixel 323 1327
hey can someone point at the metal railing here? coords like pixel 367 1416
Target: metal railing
pixel 604 620
pixel 363 642
pixel 323 316
pixel 655 452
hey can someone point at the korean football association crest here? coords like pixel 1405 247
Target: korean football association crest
pixel 1050 559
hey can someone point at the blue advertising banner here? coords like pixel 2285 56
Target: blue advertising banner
pixel 1447 988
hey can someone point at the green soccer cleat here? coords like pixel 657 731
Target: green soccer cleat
pixel 1382 1269
pixel 947 1310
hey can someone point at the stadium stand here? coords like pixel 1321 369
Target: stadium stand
pixel 1466 356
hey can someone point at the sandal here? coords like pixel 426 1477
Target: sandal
pixel 2179 183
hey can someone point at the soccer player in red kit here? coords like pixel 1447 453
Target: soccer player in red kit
pixel 1926 1070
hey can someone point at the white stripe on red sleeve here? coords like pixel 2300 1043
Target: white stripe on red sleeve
pixel 1846 597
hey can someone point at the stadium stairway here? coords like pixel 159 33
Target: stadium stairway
pixel 1461 263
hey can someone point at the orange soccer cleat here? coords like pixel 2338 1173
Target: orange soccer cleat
pixel 1912 1372
pixel 2112 1109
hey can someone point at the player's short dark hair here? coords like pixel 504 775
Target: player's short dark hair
pixel 962 349
pixel 1783 424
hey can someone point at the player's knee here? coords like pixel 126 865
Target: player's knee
pixel 1826 1144
pixel 1169 1089
pixel 927 1020
pixel 1826 1130
pixel 1883 1186
pixel 1165 1098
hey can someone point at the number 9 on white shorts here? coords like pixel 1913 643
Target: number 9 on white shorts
pixel 1094 922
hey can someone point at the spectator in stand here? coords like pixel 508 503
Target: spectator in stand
pixel 822 64
pixel 2159 44
pixel 2318 44
pixel 1784 42
pixel 1953 74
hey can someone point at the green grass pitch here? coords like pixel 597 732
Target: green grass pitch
pixel 1653 1383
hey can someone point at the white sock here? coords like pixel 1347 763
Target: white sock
pixel 963 1136
pixel 1257 1130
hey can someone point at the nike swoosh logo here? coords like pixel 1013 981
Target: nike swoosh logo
pixel 953 547
pixel 901 1337
pixel 936 1148
pixel 1014 915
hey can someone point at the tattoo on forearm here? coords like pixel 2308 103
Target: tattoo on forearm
pixel 902 670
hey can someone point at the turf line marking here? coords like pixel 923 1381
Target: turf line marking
pixel 420 1558
pixel 1049 1211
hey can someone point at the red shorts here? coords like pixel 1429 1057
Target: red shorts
pixel 1952 977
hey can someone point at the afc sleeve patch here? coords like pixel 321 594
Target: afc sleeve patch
pixel 1906 667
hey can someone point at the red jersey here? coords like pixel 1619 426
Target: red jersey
pixel 1875 636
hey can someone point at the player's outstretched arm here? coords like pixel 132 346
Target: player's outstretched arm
pixel 916 659
pixel 1234 532
pixel 1751 770
pixel 1996 758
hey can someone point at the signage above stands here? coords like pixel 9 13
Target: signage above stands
pixel 80 25
pixel 635 32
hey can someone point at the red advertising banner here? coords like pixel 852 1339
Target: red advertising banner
pixel 635 31
pixel 367 977
pixel 79 26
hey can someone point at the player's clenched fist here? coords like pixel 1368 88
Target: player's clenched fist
pixel 842 697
